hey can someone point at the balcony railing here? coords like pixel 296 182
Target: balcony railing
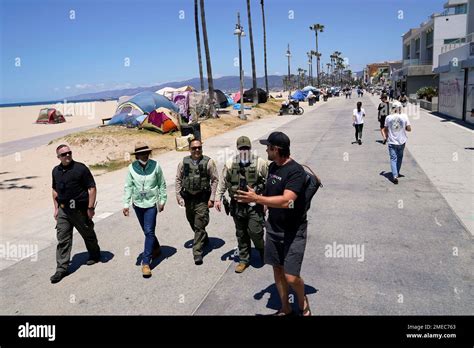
pixel 411 62
pixel 458 43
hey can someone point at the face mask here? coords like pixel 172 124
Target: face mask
pixel 143 162
pixel 244 156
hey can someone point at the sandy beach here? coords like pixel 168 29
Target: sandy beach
pixel 18 122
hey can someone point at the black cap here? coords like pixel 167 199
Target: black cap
pixel 277 139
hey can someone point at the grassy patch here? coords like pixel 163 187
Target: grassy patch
pixel 109 166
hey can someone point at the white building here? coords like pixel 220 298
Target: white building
pixel 422 46
pixel 456 74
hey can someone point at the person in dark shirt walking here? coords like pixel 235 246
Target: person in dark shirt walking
pixel 74 194
pixel 286 226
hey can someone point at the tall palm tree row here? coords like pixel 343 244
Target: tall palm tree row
pixel 264 45
pixel 198 42
pixel 252 53
pixel 317 28
pixel 208 61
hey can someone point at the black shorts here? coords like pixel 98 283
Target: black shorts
pixel 382 121
pixel 287 252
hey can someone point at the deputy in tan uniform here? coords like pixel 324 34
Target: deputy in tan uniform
pixel 245 169
pixel 196 183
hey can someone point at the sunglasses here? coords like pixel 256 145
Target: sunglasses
pixel 195 148
pixel 64 154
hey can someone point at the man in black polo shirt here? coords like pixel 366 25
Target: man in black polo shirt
pixel 286 225
pixel 74 195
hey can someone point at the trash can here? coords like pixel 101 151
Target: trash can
pixel 193 128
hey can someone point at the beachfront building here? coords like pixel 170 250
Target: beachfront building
pixel 456 74
pixel 422 46
pixel 381 73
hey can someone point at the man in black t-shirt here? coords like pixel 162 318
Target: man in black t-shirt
pixel 74 194
pixel 286 225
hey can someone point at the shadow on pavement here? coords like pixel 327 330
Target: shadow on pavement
pixel 214 243
pixel 274 299
pixel 387 175
pixel 233 255
pixel 166 252
pixel 80 259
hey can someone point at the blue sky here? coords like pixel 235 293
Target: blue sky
pixel 63 56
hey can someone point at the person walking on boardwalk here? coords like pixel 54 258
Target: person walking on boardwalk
pixel 383 111
pixel 396 126
pixel 245 169
pixel 287 223
pixel 74 194
pixel 358 115
pixel 145 189
pixel 196 184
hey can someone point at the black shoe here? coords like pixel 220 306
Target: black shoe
pixel 57 277
pixel 360 142
pixel 395 181
pixel 384 142
pixel 91 262
pixel 198 260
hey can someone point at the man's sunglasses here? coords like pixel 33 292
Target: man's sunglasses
pixel 64 154
pixel 195 148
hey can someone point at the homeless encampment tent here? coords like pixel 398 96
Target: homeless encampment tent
pixel 299 95
pixel 220 98
pixel 147 110
pixel 146 102
pixel 262 95
pixel 49 116
pixel 161 120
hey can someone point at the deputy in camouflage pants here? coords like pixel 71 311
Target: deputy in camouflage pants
pixel 196 183
pixel 244 170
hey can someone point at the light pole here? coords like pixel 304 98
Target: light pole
pixel 239 31
pixel 288 54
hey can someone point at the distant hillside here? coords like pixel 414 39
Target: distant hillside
pixel 226 84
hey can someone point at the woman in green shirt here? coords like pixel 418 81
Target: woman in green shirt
pixel 145 188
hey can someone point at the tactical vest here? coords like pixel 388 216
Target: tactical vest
pixel 195 176
pixel 251 174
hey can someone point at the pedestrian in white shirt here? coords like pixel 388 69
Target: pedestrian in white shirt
pixel 358 115
pixel 396 126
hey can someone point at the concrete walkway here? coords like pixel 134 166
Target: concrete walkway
pixel 408 265
pixel 10 147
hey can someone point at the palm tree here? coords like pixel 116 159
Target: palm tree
pixel 317 28
pixel 198 42
pixel 252 54
pixel 210 82
pixel 335 57
pixel 264 45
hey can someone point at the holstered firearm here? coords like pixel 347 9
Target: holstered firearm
pixel 226 204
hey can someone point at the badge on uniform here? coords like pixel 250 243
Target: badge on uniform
pixel 143 194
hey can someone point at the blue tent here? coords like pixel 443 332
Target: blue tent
pixel 126 119
pixel 309 88
pixel 146 102
pixel 299 95
pixel 229 99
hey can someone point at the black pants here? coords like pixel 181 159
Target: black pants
pixel 67 220
pixel 358 131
